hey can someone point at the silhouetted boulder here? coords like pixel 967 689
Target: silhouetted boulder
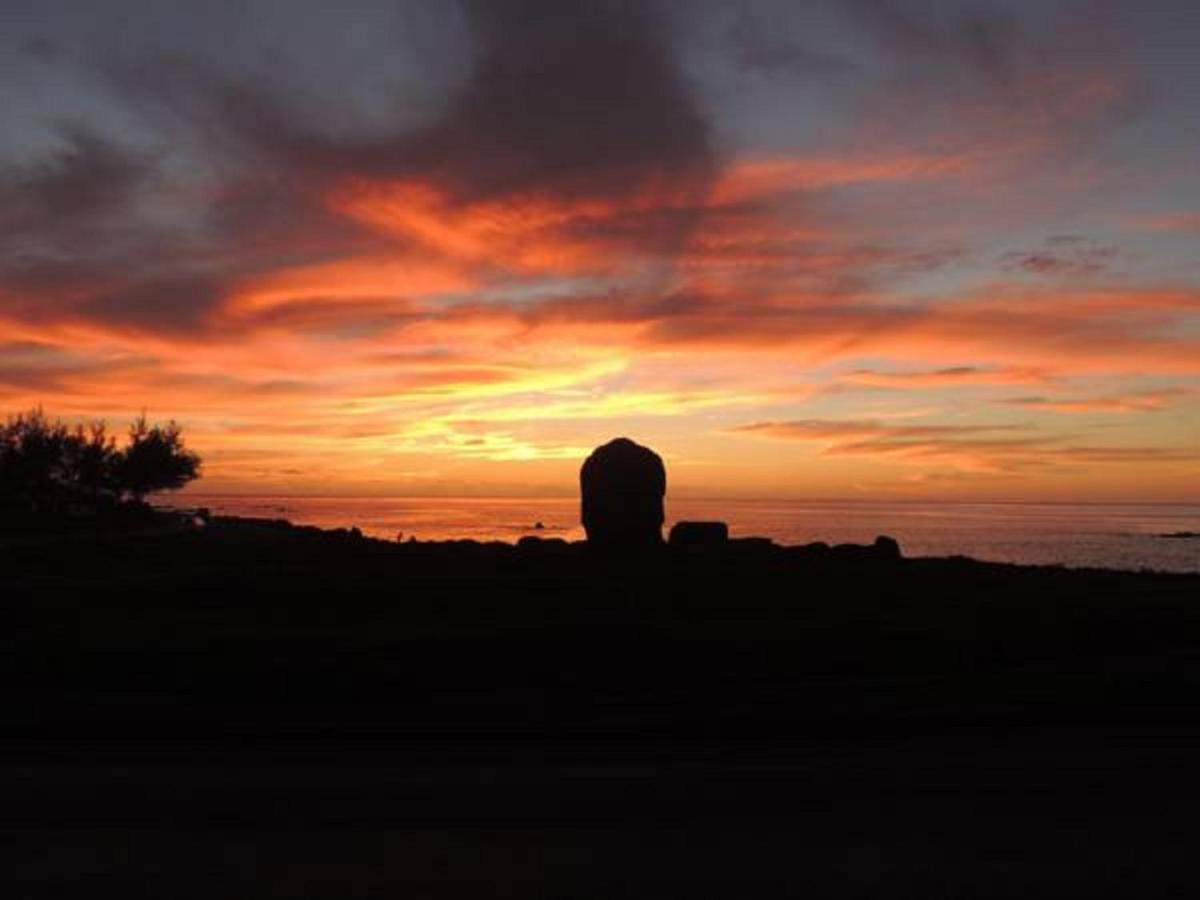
pixel 758 546
pixel 533 542
pixel 622 485
pixel 699 534
pixel 886 547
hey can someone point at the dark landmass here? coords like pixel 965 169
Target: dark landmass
pixel 251 709
pixel 1181 534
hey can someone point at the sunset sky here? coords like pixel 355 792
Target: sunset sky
pixel 876 248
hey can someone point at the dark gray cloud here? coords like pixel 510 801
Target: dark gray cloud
pixel 981 43
pixel 1062 255
pixel 756 44
pixel 585 98
pixel 176 304
pixel 1057 75
pixel 85 179
pixel 565 98
pixel 226 172
pixel 85 235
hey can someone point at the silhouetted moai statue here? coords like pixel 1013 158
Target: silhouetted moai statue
pixel 622 486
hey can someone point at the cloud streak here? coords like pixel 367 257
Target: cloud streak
pixel 979 449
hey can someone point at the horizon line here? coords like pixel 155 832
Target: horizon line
pixel 703 498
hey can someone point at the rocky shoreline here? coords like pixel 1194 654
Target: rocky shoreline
pixel 265 702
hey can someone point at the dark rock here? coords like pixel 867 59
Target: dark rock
pixel 533 542
pixel 886 547
pixel 699 534
pixel 755 545
pixel 622 485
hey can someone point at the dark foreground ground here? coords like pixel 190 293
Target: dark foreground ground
pixel 254 712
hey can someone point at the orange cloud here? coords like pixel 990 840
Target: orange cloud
pixel 532 232
pixel 392 279
pixel 1111 331
pixel 1147 401
pixel 966 448
pixel 949 376
pixel 770 177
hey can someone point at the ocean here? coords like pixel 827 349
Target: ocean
pixel 1106 535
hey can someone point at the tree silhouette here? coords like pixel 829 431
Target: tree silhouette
pixel 93 459
pixel 33 464
pixel 155 460
pixel 46 467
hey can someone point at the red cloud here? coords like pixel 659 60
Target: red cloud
pixel 967 448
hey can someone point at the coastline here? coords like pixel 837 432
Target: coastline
pixel 1127 537
pixel 551 537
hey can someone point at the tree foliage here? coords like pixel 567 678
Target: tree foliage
pixel 155 459
pixel 48 467
pixel 33 460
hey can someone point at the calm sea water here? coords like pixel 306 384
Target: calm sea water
pixel 1120 536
